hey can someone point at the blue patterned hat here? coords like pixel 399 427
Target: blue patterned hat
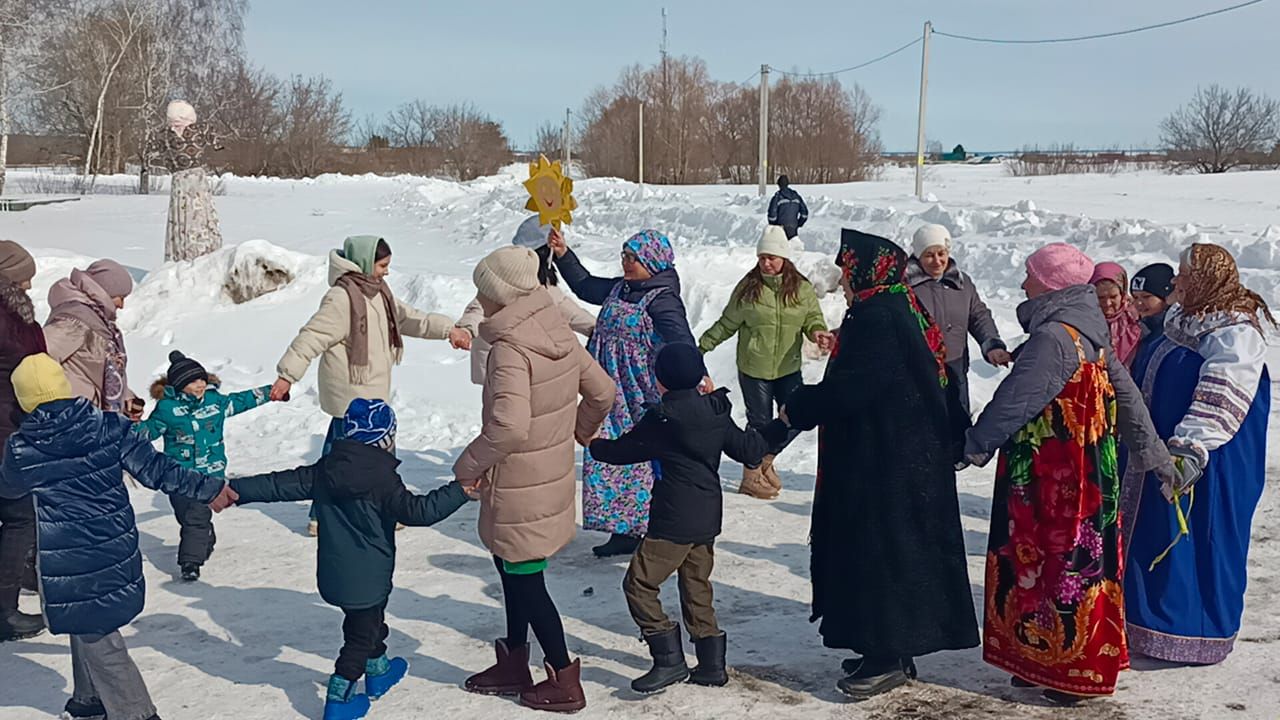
pixel 653 249
pixel 370 422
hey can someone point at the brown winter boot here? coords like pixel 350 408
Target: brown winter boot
pixel 754 484
pixel 509 676
pixel 560 692
pixel 771 474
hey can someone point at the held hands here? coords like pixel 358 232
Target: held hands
pixel 134 409
pixel 555 241
pixel 707 386
pixel 460 338
pixel 225 499
pixel 471 487
pixel 825 340
pixel 1000 357
pixel 280 390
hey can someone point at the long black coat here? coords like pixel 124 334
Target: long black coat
pixel 685 434
pixel 888 558
pixel 358 497
pixel 20 336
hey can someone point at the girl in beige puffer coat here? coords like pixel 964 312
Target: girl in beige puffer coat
pixel 524 455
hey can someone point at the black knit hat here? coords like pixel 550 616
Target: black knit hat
pixel 784 182
pixel 1155 279
pixel 183 371
pixel 680 367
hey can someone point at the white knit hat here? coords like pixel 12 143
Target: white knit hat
pixel 930 236
pixel 507 274
pixel 774 242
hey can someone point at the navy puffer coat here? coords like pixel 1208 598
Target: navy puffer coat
pixel 71 457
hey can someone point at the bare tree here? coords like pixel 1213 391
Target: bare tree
pixel 1220 129
pixel 111 31
pixel 314 123
pixel 25 28
pixel 548 139
pixel 473 144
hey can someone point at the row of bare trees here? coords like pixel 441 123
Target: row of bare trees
pixel 699 130
pixel 455 140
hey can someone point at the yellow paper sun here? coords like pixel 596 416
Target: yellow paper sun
pixel 550 193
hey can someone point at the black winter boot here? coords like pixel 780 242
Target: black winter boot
pixel 91 710
pixel 669 668
pixel 876 676
pixel 190 572
pixel 711 670
pixel 16 625
pixel 617 545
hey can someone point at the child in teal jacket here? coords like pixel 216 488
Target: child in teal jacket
pixel 189 415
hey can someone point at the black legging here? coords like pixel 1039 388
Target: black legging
pixel 17 540
pixel 528 604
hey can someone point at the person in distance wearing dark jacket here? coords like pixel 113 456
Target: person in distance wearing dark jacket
pixel 358 499
pixel 685 434
pixel 787 208
pixel 71 457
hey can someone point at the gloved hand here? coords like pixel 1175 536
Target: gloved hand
pixel 1188 472
pixel 1168 475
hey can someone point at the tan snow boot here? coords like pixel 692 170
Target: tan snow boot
pixel 771 474
pixel 754 484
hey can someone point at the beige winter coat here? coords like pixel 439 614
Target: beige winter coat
pixel 525 451
pixel 325 336
pixel 580 321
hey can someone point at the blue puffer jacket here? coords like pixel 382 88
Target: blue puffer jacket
pixel 71 457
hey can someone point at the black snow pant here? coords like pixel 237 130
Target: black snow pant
pixel 197 537
pixel 364 638
pixel 791 231
pixel 17 540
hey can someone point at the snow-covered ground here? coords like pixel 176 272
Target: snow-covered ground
pixel 254 640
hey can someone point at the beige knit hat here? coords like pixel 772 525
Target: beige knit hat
pixel 507 274
pixel 774 242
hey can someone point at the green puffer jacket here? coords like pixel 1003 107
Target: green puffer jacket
pixel 191 428
pixel 770 334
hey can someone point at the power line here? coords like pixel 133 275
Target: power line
pixel 1144 28
pixel 872 61
pixel 754 75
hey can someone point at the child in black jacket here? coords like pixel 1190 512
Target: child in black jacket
pixel 685 434
pixel 359 498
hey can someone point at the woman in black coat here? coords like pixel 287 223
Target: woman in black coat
pixel 890 577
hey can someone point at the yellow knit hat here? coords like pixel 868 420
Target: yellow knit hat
pixel 39 379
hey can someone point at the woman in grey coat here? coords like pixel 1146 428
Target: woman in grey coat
pixel 952 300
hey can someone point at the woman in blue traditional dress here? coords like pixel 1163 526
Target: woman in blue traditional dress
pixel 641 311
pixel 1187 541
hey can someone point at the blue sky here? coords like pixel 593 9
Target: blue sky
pixel 524 63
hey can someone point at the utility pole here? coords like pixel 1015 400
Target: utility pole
pixel 764 128
pixel 567 142
pixel 642 147
pixel 924 88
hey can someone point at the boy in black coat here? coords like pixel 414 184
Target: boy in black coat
pixel 358 498
pixel 685 434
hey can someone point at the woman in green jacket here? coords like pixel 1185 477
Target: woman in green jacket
pixel 771 310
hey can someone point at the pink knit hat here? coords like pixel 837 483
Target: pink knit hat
pixel 1059 265
pixel 111 277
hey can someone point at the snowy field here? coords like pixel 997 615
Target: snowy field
pixel 254 640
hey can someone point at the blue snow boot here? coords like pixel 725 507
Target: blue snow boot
pixel 342 702
pixel 381 674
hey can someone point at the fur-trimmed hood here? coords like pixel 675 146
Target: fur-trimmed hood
pixel 17 301
pixel 158 387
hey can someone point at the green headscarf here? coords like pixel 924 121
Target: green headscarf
pixel 361 249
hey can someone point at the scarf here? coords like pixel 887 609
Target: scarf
pixel 1211 285
pixel 653 249
pixel 82 299
pixel 875 266
pixel 361 288
pixel 1126 331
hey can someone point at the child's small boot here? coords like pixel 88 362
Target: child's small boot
pixel 342 702
pixel 560 692
pixel 669 667
pixel 509 676
pixel 381 674
pixel 711 669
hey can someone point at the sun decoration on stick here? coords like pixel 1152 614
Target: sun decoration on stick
pixel 550 193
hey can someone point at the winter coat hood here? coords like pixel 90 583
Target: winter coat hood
pixel 339 266
pixel 1076 306
pixel 580 321
pixel 69 294
pixel 533 323
pixel 356 471
pixel 46 428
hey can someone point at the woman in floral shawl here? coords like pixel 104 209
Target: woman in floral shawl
pixel 1054 583
pixel 890 579
pixel 1209 391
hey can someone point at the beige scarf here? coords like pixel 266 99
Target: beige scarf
pixel 361 288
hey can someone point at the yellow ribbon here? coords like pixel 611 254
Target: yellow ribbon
pixel 1182 518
